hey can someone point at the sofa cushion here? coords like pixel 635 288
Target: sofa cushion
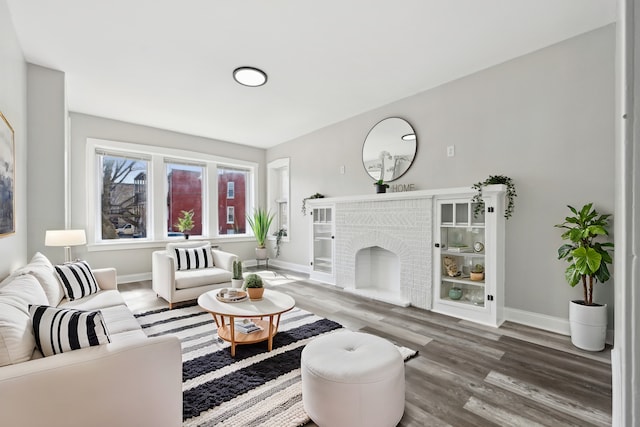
pixel 119 319
pixel 17 342
pixel 77 279
pixel 58 330
pixel 41 268
pixel 193 258
pixel 205 276
pixel 100 300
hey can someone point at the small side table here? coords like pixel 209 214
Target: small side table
pixel 266 260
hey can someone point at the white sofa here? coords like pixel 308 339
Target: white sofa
pixel 184 285
pixel 131 381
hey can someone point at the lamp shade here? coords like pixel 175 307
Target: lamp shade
pixel 65 238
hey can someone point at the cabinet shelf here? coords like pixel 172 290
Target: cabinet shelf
pixel 460 301
pixel 463 254
pixel 463 281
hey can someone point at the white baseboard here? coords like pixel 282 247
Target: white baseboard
pixel 558 325
pixel 139 277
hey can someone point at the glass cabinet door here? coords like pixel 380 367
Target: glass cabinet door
pixel 322 240
pixel 461 254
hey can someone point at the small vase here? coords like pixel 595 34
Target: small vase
pixel 186 236
pixel 381 188
pixel 455 293
pixel 255 294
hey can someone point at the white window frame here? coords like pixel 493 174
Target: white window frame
pixel 279 191
pixel 157 190
pixel 203 195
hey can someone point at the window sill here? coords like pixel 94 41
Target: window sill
pixel 160 244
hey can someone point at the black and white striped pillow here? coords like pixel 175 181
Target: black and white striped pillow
pixel 58 330
pixel 191 258
pixel 77 279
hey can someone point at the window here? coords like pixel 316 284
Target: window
pixel 123 196
pixel 138 193
pixel 238 178
pixel 230 214
pixel 231 189
pixel 278 194
pixel 184 194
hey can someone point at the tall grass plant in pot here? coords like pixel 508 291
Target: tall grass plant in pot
pixel 588 258
pixel 260 222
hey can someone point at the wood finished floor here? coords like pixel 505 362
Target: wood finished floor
pixel 465 374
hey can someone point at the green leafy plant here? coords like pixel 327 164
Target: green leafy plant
pixel 237 270
pixel 279 235
pixel 260 222
pixel 304 201
pixel 494 179
pixel 185 221
pixel 478 268
pixel 587 257
pixel 253 281
pixel 381 183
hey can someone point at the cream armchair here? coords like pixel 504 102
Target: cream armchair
pixel 184 285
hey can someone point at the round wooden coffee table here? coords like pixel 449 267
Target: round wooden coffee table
pixel 271 306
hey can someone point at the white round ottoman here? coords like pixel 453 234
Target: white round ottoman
pixel 352 379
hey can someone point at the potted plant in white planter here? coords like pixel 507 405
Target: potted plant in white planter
pixel 588 259
pixel 237 279
pixel 260 222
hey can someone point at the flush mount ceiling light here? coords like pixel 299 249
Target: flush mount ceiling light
pixel 250 76
pixel 409 137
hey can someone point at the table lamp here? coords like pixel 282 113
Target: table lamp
pixel 66 238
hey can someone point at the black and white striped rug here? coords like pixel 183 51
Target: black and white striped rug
pixel 219 389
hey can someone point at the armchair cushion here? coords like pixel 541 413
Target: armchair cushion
pixel 77 279
pixel 201 277
pixel 58 330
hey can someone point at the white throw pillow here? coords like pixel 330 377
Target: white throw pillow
pixel 171 249
pixel 77 279
pixel 16 333
pixel 41 268
pixel 58 330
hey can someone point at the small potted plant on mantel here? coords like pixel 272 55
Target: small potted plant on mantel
pixel 185 222
pixel 588 259
pixel 381 187
pixel 237 280
pixel 253 285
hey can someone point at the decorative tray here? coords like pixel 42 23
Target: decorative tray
pixel 224 297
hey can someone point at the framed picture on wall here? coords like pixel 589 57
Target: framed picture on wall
pixel 7 177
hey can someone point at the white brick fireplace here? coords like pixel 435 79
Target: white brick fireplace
pixel 383 247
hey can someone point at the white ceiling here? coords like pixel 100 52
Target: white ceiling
pixel 168 64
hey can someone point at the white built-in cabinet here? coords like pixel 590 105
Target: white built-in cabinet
pixel 323 243
pixel 463 241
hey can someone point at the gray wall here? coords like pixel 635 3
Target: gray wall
pixel 13 104
pixel 138 261
pixel 47 115
pixel 545 119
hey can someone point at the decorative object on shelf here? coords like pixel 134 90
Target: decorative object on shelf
pixel 254 287
pixel 279 235
pixel 588 259
pixel 260 222
pixel 451 267
pixel 455 293
pixel 185 222
pixel 381 187
pixel 477 272
pixel 7 183
pixel 478 246
pixel 389 149
pixel 304 201
pixel 237 280
pixel 492 180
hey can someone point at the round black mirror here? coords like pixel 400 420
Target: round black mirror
pixel 389 149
